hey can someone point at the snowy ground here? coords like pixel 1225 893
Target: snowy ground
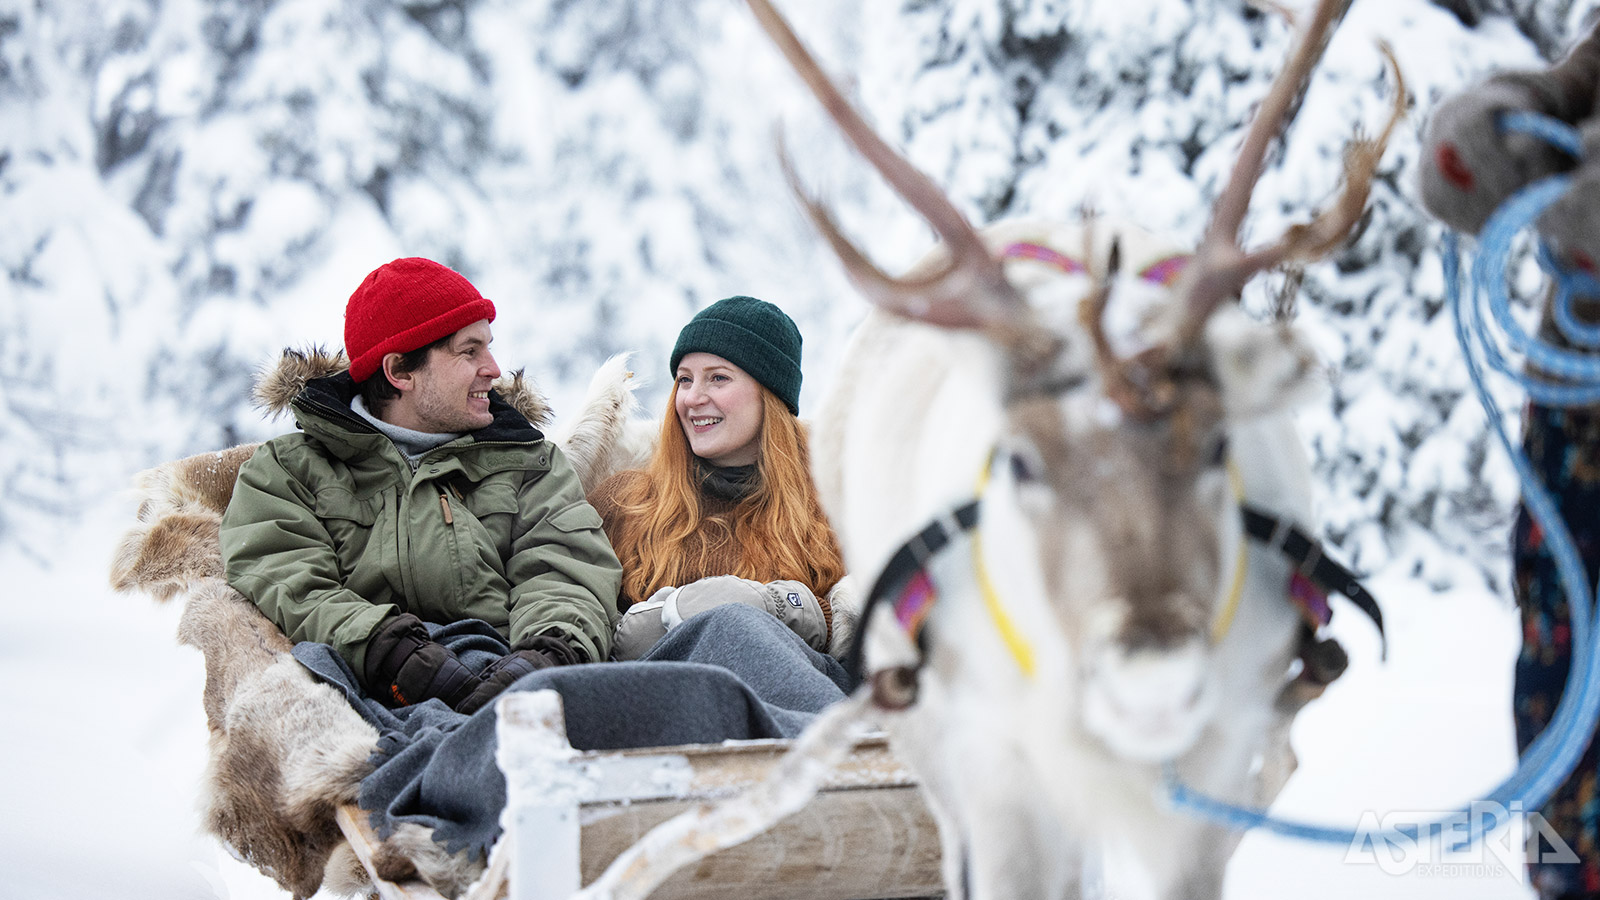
pixel 100 795
pixel 1423 734
pixel 103 804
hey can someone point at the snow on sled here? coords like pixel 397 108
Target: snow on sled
pixel 288 752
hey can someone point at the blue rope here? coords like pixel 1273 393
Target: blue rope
pixel 1489 275
pixel 1554 132
pixel 1551 758
pixel 1569 286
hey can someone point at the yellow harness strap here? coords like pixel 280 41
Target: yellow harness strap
pixel 1224 620
pixel 1021 649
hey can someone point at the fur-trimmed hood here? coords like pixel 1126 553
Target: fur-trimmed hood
pixel 278 384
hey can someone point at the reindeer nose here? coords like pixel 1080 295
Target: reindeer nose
pixel 1152 681
pixel 1147 704
pixel 1163 624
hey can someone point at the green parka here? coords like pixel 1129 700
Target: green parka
pixel 330 531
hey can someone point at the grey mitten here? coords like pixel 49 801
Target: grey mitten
pixel 640 627
pixel 1470 165
pixel 791 602
pixel 1572 223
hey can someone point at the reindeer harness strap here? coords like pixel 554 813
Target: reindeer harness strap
pixel 1314 567
pixel 1224 619
pixel 908 567
pixel 904 580
pixel 1163 271
pixel 1021 649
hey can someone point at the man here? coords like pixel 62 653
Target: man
pixel 413 493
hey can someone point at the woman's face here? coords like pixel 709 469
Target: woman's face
pixel 719 409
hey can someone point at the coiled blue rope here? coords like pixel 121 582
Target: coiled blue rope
pixel 1551 758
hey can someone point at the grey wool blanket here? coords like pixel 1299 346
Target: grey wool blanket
pixel 731 673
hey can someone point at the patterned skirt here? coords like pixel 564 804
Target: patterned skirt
pixel 1564 447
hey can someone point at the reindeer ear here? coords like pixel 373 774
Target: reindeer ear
pixel 1261 367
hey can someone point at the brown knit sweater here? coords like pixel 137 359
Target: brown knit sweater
pixel 711 545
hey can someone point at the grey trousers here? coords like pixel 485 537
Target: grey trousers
pixel 762 651
pixel 730 673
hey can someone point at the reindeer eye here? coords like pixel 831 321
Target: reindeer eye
pixel 1219 451
pixel 1024 470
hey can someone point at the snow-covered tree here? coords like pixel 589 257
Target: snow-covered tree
pixel 191 185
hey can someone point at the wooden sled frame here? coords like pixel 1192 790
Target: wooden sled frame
pixel 569 813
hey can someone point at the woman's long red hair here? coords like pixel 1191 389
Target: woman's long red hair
pixel 777 532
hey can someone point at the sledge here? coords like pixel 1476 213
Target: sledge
pixel 287 754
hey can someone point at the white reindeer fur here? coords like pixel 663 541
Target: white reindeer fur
pixel 608 434
pixel 1027 796
pixel 286 750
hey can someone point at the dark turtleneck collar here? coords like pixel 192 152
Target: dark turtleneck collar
pixel 732 483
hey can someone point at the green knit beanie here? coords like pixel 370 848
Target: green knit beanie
pixel 753 335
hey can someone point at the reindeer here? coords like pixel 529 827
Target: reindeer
pixel 1106 617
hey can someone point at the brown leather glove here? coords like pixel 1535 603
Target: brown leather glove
pixel 403 667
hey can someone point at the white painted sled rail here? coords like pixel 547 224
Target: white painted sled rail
pixel 867 833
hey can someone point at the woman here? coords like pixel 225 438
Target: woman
pixel 725 511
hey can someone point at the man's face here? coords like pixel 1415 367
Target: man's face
pixel 450 392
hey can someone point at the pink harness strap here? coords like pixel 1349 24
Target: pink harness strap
pixel 1163 271
pixel 914 602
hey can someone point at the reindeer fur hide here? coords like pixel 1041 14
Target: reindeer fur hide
pixel 286 750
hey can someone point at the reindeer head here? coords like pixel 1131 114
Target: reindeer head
pixel 1113 468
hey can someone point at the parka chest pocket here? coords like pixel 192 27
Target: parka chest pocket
pixel 349 521
pixel 495 507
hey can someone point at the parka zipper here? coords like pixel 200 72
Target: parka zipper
pixel 444 504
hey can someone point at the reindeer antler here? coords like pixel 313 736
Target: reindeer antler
pixel 1322 235
pixel 1228 212
pixel 1221 267
pixel 971 291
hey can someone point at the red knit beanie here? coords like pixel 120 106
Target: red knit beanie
pixel 406 304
